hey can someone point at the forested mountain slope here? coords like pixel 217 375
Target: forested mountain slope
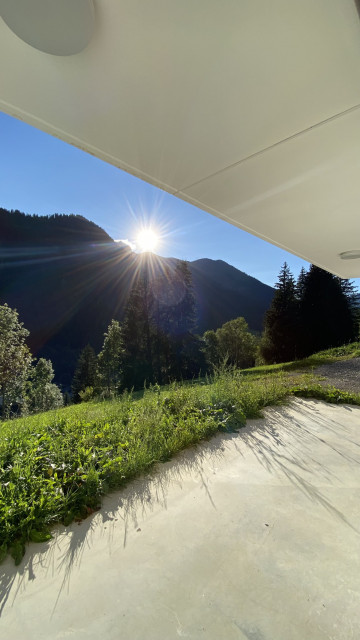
pixel 224 292
pixel 67 278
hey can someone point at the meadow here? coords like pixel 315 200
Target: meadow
pixel 56 466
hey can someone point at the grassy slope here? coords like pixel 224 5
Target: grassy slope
pixel 346 352
pixel 55 466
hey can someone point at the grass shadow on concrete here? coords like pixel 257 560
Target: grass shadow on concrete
pixel 296 459
pixel 299 442
pixel 120 513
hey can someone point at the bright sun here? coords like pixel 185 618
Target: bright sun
pixel 147 240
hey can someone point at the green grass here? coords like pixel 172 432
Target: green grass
pixel 55 466
pixel 345 352
pixel 327 394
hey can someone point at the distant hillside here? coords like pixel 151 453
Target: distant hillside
pixel 20 229
pixel 67 278
pixel 223 293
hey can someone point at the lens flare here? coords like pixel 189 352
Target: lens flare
pixel 147 240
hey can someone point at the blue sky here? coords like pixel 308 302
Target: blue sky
pixel 43 175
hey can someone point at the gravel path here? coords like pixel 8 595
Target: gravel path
pixel 344 375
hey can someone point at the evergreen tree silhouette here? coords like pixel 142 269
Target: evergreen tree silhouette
pixel 86 372
pixel 281 330
pixel 326 316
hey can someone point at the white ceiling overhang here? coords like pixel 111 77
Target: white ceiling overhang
pixel 248 109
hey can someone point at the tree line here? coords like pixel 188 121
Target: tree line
pixel 23 229
pixel 316 312
pixel 156 342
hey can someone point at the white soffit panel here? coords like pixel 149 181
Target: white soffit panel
pixel 218 103
pixel 303 194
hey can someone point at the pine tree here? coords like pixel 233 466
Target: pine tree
pixel 111 358
pixel 158 328
pixel 187 354
pixel 281 331
pixel 352 295
pixel 184 311
pixel 325 312
pixel 300 284
pixel 138 333
pixel 86 373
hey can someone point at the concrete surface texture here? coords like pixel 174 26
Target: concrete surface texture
pixel 253 536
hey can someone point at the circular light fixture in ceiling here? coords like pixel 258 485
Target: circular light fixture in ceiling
pixel 350 255
pixel 59 27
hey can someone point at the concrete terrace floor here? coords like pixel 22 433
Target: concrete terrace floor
pixel 254 536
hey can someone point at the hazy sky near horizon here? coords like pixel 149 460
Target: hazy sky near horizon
pixel 43 175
